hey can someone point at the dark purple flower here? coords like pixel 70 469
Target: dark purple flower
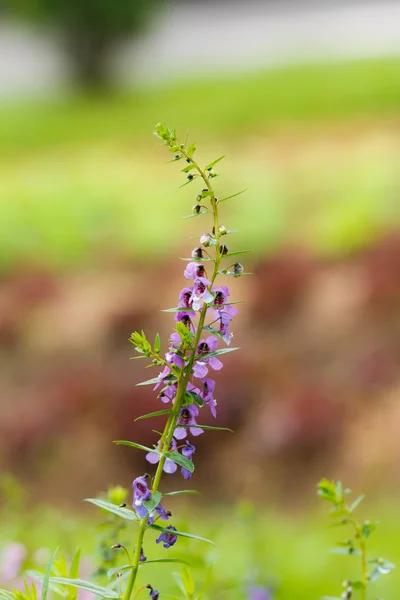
pixel 185 317
pixel 168 539
pixel 201 293
pixel 161 512
pixel 187 416
pixel 154 594
pixel 142 557
pixel 188 452
pixel 193 270
pixel 207 395
pixel 141 493
pixel 206 346
pixel 169 466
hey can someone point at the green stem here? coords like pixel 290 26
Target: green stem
pixel 183 381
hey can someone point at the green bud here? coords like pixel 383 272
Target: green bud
pixel 205 240
pixel 222 230
pixel 238 269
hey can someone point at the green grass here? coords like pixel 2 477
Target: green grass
pixel 82 179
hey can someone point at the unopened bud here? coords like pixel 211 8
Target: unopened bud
pixel 223 250
pixel 190 176
pixel 199 198
pixel 197 253
pixel 122 505
pixel 188 160
pixel 196 209
pixel 116 546
pixel 238 269
pixel 205 240
pixel 222 230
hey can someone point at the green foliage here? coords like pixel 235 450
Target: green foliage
pixel 342 515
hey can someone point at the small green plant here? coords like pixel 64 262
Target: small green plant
pixel 342 515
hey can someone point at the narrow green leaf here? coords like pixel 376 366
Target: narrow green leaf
pixel 38 576
pixel 188 181
pixel 158 413
pixel 74 572
pixel 152 381
pixel 191 150
pixel 214 162
pixel 188 583
pixel 6 595
pixel 347 551
pixel 207 428
pixel 202 212
pixel 189 167
pixel 135 445
pixel 179 492
pixel 122 512
pixel 164 560
pixel 182 534
pixel 356 502
pixel 46 578
pixel 88 586
pixel 232 196
pixel 157 344
pixel 180 460
pixel 236 253
pixel 216 353
pixel 194 398
pixel 153 502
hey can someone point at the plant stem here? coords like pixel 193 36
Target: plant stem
pixel 183 381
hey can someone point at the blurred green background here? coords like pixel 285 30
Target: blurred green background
pixel 90 235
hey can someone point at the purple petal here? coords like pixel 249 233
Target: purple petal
pixel 215 363
pixel 196 431
pixel 180 433
pixel 152 458
pixel 170 466
pixel 200 369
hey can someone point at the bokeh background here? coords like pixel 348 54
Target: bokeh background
pixel 303 97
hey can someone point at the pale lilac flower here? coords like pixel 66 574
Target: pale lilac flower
pixel 258 592
pixel 187 416
pixel 201 293
pixel 188 452
pixel 168 539
pixel 185 298
pixel 224 320
pixel 168 393
pixel 207 395
pixel 206 346
pixel 193 270
pixel 141 493
pixel 12 557
pixel 169 466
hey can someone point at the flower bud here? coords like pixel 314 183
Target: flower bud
pixel 196 209
pixel 188 160
pixel 197 252
pixel 238 269
pixel 223 250
pixel 205 240
pixel 222 230
pixel 199 198
pixel 190 176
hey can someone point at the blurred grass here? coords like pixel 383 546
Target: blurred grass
pixel 289 551
pixel 82 179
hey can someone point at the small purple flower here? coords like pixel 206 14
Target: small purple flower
pixel 187 416
pixel 258 592
pixel 142 557
pixel 185 298
pixel 154 594
pixel 224 320
pixel 168 539
pixel 193 270
pixel 206 346
pixel 207 395
pixel 201 293
pixel 197 252
pixel 162 513
pixel 169 466
pixel 141 493
pixel 168 393
pixel 188 452
pixel 185 318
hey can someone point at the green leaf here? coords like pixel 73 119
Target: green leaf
pixel 157 344
pixel 179 492
pixel 232 196
pixel 202 212
pixel 182 534
pixel 207 428
pixel 347 551
pixel 194 398
pixel 180 460
pixel 135 445
pixel 88 586
pixel 216 353
pixel 122 512
pixel 188 181
pixel 158 413
pixel 236 253
pixel 46 578
pixel 164 560
pixel 214 162
pixel 191 150
pixel 6 595
pixel 368 527
pixel 188 583
pixel 74 572
pixel 152 381
pixel 153 502
pixel 356 503
pixel 38 576
pixel 189 167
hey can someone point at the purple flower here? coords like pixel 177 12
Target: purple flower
pixel 201 293
pixel 11 560
pixel 258 592
pixel 224 320
pixel 168 539
pixel 185 318
pixel 141 493
pixel 162 513
pixel 168 393
pixel 154 594
pixel 187 417
pixel 185 298
pixel 142 557
pixel 207 395
pixel 188 452
pixel 169 466
pixel 206 346
pixel 193 270
pixel 197 252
